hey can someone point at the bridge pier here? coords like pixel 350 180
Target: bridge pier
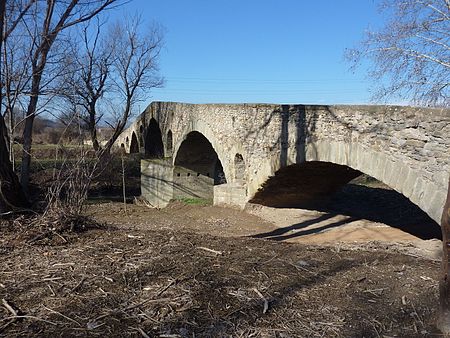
pixel 157 181
pixel 161 182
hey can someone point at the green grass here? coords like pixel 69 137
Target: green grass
pixel 195 201
pixel 367 181
pixel 158 160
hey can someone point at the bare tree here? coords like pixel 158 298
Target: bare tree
pixel 89 77
pixel 11 193
pixel 119 68
pixel 411 60
pixel 16 70
pixel 411 54
pixel 52 18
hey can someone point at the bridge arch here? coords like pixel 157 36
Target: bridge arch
pixel 134 145
pixel 202 128
pixel 154 147
pixel 359 159
pixel 197 168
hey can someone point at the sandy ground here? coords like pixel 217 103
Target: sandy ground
pixel 315 227
pixel 290 225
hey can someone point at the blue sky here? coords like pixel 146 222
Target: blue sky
pixel 274 51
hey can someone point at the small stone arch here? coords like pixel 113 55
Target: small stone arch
pixel 154 147
pixel 239 167
pixel 134 145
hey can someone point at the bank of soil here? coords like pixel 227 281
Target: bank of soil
pixel 199 271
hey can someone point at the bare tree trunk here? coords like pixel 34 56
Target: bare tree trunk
pixel 444 286
pixel 11 193
pixel 93 127
pixel 27 142
pixel 11 139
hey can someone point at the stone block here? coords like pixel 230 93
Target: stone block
pixel 231 194
pixel 435 206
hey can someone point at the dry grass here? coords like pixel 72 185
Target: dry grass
pixel 161 283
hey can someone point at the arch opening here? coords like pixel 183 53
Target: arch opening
pixel 340 190
pixel 154 147
pixel 239 167
pixel 134 146
pixel 197 168
pixel 307 185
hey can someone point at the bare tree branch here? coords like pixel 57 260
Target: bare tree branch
pixel 121 61
pixel 410 56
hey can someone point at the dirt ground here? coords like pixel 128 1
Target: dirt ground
pixel 203 271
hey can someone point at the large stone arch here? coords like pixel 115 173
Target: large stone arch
pixel 398 175
pixel 197 168
pixel 205 130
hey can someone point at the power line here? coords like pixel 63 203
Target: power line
pixel 268 81
pixel 256 91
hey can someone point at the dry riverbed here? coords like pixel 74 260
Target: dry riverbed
pixel 203 271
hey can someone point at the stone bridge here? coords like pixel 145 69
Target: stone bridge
pixel 289 155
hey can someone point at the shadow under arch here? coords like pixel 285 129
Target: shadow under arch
pixel 323 186
pixel 306 185
pixel 153 145
pixel 134 145
pixel 424 192
pixel 197 168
